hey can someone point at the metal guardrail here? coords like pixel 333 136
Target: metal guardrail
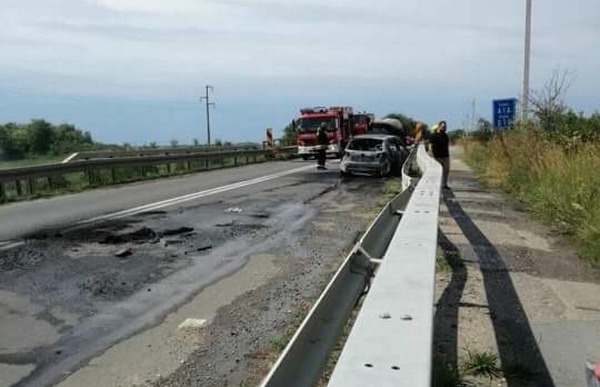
pixel 391 341
pixel 397 314
pixel 89 167
pixel 23 173
pixel 146 152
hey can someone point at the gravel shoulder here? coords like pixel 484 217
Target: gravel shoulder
pixel 510 287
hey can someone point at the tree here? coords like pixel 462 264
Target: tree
pixel 67 138
pixel 174 143
pixel 41 135
pixel 218 142
pixel 289 134
pixel 484 125
pixel 548 103
pixel 484 130
pixel 195 143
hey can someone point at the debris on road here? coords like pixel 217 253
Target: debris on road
pixel 124 253
pixel 177 231
pixel 202 248
pixel 260 216
pixel 193 323
pixel 235 210
pixel 142 235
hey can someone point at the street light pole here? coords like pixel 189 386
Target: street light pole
pixel 525 94
pixel 208 103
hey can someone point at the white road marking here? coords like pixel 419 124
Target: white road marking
pixel 7 245
pixel 188 197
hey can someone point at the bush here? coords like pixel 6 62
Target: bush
pixel 40 138
pixel 556 179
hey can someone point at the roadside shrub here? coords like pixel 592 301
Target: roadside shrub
pixel 558 181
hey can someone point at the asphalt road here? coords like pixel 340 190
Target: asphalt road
pixel 24 218
pixel 99 271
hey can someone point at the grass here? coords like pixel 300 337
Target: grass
pixel 391 188
pixel 557 184
pixel 9 164
pixel 441 264
pixel 482 364
pixel 446 375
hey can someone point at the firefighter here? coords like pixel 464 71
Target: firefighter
pixel 322 143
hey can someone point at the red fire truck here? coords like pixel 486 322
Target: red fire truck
pixel 362 123
pixel 341 122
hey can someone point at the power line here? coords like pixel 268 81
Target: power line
pixel 208 103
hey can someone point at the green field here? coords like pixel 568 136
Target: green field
pixel 29 162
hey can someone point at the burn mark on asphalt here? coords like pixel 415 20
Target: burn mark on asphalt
pixel 139 236
pixel 323 192
pixel 177 231
pixel 48 317
pixel 19 358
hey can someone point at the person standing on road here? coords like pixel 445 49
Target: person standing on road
pixel 440 148
pixel 322 143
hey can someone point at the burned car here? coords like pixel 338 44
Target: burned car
pixel 374 154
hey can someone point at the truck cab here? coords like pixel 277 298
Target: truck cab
pixel 338 121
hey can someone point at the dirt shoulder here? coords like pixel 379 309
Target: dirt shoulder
pixel 513 298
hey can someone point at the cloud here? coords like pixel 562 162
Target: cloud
pixel 278 49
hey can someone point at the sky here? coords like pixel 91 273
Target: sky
pixel 133 70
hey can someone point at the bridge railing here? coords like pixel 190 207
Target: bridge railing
pixel 148 152
pixel 390 343
pixel 105 170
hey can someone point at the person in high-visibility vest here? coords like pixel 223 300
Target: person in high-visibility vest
pixel 420 128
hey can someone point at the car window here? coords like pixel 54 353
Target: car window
pixel 366 144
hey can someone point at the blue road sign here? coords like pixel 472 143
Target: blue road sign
pixel 505 111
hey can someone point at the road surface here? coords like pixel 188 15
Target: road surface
pixel 123 286
pixel 23 218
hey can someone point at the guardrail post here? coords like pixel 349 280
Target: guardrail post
pixel 18 187
pixel 235 161
pixel 30 185
pixel 168 168
pixel 113 176
pixel 2 192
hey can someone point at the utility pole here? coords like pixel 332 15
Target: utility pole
pixel 474 122
pixel 525 93
pixel 208 104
